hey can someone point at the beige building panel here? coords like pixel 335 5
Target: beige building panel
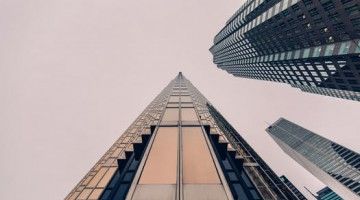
pixel 73 196
pixel 204 192
pixel 94 181
pixel 84 194
pixel 116 153
pixel 198 165
pixel 171 114
pixel 95 194
pixel 187 105
pixel 174 98
pixel 188 114
pixel 87 180
pixel 154 192
pixel 161 165
pixel 186 99
pixel 107 177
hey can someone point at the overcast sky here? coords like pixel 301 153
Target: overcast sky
pixel 75 73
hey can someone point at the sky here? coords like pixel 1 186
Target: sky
pixel 74 74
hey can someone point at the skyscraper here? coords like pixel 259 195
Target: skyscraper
pixel 292 187
pixel 336 166
pixel 180 147
pixel 311 45
pixel 327 194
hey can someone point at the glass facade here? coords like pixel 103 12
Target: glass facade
pixel 180 147
pixel 336 166
pixel 311 45
pixel 327 194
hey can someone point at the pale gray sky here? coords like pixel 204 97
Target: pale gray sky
pixel 75 73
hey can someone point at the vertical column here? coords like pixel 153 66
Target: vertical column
pixel 159 176
pixel 200 177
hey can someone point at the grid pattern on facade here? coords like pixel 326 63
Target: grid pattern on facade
pixel 295 33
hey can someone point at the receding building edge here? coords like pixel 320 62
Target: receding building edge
pixel 297 141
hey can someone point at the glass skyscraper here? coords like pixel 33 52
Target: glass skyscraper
pixel 311 45
pixel 336 166
pixel 180 147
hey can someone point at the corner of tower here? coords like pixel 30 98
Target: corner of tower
pixel 180 75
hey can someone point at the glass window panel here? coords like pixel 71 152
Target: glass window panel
pixel 357 47
pixel 188 114
pixel 285 4
pixel 171 114
pixel 161 192
pixel 173 105
pixel 276 56
pixel 186 99
pixel 316 52
pixel 282 56
pixel 198 166
pixel 329 50
pixel 289 55
pixel 277 8
pixel 161 164
pixel 174 99
pixel 344 48
pixel 306 53
pixel 106 179
pixel 187 105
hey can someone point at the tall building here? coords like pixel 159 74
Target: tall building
pixel 311 45
pixel 292 187
pixel 327 194
pixel 180 147
pixel 336 166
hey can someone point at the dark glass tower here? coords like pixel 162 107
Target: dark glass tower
pixel 310 44
pixel 292 187
pixel 180 147
pixel 336 166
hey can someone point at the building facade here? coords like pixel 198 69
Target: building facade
pixel 292 187
pixel 336 166
pixel 311 45
pixel 327 194
pixel 180 147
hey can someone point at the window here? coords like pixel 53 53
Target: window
pixel 344 48
pixel 289 55
pixel 277 8
pixel 276 57
pixel 171 114
pixel 161 165
pixel 329 50
pixel 316 52
pixel 186 99
pixel 306 53
pixel 198 166
pixel 297 54
pixel 174 99
pixel 282 56
pixel 188 114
